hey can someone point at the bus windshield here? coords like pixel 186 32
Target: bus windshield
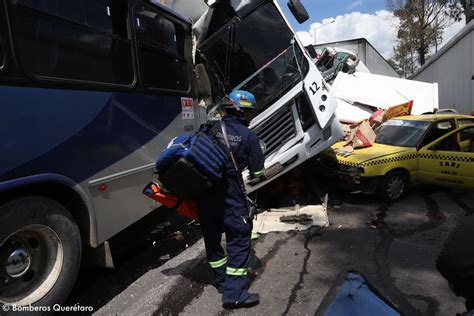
pixel 257 54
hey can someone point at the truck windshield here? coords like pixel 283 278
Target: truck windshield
pixel 403 133
pixel 257 54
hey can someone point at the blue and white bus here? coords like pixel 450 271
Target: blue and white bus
pixel 90 92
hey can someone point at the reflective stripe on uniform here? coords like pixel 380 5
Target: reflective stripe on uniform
pixel 218 263
pixel 258 174
pixel 236 271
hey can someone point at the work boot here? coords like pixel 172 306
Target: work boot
pixel 252 300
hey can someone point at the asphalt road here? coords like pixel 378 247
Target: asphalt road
pixel 394 246
pixel 142 247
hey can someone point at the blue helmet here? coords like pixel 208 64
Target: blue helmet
pixel 240 99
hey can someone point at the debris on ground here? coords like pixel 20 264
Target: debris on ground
pixel 165 257
pixel 301 218
pixel 378 221
pixel 296 218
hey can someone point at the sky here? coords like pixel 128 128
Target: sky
pixel 369 19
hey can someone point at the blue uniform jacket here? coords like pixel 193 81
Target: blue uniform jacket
pixel 247 152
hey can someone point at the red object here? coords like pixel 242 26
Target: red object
pixel 377 117
pixel 102 187
pixel 398 110
pixel 187 207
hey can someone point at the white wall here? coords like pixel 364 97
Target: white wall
pixel 453 72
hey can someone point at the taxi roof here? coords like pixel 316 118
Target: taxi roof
pixel 433 117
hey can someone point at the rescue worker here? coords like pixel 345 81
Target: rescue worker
pixel 224 208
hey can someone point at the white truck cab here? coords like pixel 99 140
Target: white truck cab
pixel 250 45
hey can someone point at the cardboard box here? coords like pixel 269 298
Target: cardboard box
pixel 382 115
pixel 362 136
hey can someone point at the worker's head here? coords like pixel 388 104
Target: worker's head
pixel 241 103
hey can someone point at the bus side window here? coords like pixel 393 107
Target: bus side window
pixel 161 50
pixel 67 47
pixel 99 15
pixel 70 10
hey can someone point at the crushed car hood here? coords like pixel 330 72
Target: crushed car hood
pixel 361 155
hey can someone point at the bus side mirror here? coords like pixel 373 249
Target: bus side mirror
pixel 298 10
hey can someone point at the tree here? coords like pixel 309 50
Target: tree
pixel 421 25
pixel 458 8
pixel 392 62
pixel 403 59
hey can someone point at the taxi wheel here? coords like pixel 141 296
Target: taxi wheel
pixel 393 186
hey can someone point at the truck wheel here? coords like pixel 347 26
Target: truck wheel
pixel 40 252
pixel 392 186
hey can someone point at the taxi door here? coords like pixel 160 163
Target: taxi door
pixel 445 162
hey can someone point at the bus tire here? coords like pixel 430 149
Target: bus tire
pixel 40 252
pixel 393 186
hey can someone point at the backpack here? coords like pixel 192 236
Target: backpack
pixel 192 164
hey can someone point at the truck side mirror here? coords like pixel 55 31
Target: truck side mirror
pixel 298 10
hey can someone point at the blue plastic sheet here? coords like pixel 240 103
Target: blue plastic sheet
pixel 356 298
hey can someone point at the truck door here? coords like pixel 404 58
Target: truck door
pixel 445 162
pixel 324 104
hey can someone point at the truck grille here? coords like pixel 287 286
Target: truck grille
pixel 277 130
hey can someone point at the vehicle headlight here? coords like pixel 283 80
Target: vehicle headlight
pixel 354 170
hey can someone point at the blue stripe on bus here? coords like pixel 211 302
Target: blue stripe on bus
pixel 76 133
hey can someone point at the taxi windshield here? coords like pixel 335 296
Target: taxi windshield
pixel 403 133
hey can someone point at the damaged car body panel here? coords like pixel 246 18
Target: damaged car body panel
pixel 250 45
pixel 402 145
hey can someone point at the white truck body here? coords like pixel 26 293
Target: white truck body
pixel 360 93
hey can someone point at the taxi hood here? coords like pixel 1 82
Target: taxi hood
pixel 361 155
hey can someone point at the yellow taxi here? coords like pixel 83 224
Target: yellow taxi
pixel 435 149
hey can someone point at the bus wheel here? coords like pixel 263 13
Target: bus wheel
pixel 393 185
pixel 40 252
